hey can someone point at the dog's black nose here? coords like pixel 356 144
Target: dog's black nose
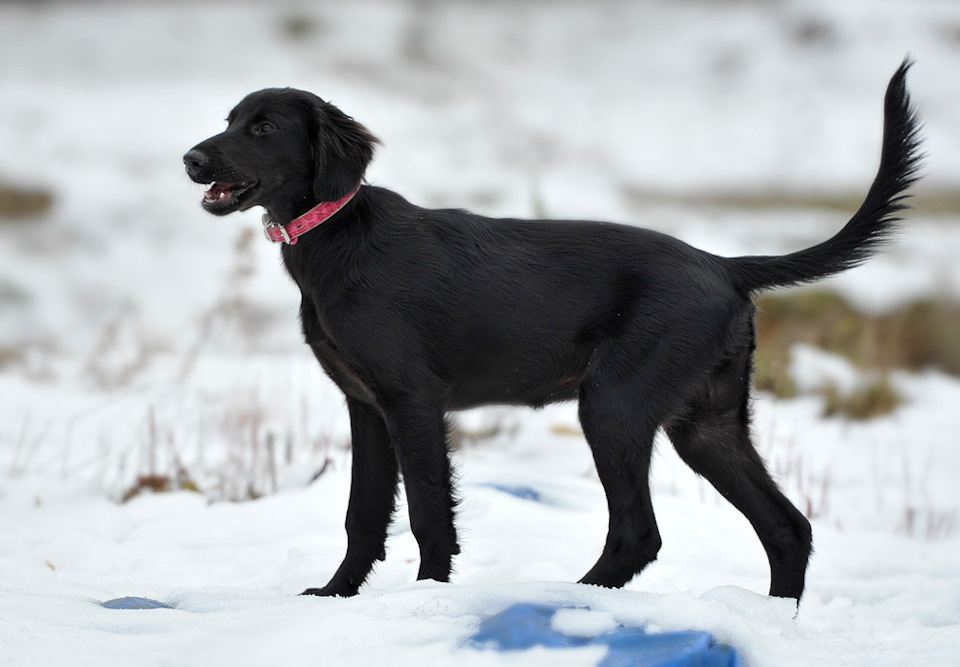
pixel 195 160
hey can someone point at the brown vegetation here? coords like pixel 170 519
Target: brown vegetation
pixel 923 334
pixel 17 203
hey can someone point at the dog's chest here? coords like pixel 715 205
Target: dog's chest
pixel 337 368
pixel 346 376
pixel 320 340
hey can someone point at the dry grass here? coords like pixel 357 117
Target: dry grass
pixel 873 399
pixel 298 27
pixel 929 523
pixel 935 203
pixel 772 371
pixel 900 489
pixel 919 335
pixel 233 311
pixel 17 203
pixel 34 359
pixel 30 439
pixel 810 485
pixel 923 334
pixel 231 453
pixel 495 425
pixel 122 352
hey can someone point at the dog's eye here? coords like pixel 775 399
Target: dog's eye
pixel 264 128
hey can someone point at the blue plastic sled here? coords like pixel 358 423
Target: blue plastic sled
pixel 524 626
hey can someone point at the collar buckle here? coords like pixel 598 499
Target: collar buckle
pixel 270 224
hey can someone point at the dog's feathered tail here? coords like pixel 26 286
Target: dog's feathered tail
pixel 871 225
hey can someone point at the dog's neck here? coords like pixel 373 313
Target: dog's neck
pixel 288 229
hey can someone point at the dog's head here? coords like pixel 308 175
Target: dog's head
pixel 282 149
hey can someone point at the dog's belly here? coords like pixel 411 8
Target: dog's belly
pixel 475 392
pixel 511 368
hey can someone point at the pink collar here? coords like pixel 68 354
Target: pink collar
pixel 320 213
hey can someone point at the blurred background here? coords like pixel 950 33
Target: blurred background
pixel 138 332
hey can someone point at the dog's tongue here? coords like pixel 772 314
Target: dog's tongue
pixel 218 191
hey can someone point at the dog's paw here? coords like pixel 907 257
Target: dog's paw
pixel 329 591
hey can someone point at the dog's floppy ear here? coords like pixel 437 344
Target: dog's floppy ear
pixel 342 149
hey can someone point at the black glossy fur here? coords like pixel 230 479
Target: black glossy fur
pixel 416 312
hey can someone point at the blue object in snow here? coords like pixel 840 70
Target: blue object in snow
pixel 522 492
pixel 523 626
pixel 134 603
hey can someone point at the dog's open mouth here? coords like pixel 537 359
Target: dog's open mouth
pixel 222 196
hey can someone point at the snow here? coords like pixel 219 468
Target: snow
pixel 148 337
pixel 583 622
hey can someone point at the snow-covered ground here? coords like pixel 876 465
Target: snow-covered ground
pixel 140 336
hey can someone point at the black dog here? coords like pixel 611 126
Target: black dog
pixel 416 312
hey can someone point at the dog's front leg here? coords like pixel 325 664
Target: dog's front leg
pixel 373 490
pixel 419 436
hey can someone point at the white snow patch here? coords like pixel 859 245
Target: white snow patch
pixel 583 622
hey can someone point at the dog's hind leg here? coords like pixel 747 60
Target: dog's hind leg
pixel 373 490
pixel 712 436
